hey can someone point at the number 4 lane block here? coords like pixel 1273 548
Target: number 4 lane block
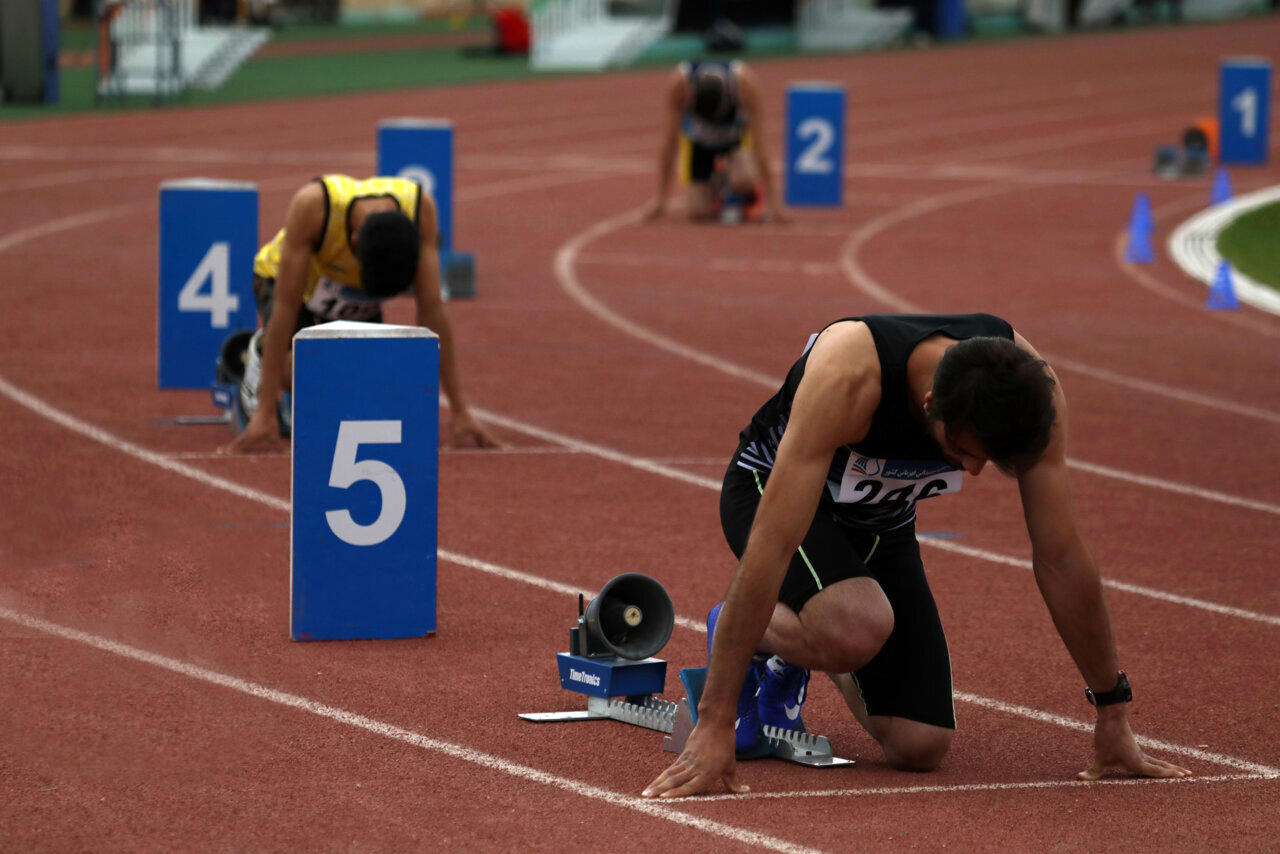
pixel 208 236
pixel 365 473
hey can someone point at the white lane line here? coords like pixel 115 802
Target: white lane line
pixel 1174 486
pixel 488 761
pixel 566 274
pixel 960 788
pixel 99 435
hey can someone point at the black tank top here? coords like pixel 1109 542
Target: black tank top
pixel 874 484
pixel 725 131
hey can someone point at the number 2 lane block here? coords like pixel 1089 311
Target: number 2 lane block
pixel 208 236
pixel 365 475
pixel 815 145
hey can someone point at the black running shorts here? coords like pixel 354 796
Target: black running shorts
pixel 911 675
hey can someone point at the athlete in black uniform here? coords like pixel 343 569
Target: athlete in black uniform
pixel 713 111
pixel 818 502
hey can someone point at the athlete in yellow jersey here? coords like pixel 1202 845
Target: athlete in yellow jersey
pixel 346 247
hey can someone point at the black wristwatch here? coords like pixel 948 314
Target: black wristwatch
pixel 1122 693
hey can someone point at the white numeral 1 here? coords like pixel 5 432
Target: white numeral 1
pixel 1246 103
pixel 219 301
pixel 346 471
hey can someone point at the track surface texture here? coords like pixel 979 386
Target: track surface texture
pixel 153 700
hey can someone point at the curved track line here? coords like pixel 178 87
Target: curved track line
pixel 868 285
pixel 564 263
pixel 488 761
pixel 567 276
pixel 102 436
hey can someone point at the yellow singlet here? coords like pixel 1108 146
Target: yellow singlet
pixel 332 259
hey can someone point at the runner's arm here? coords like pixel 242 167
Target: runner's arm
pixel 1071 586
pixel 672 106
pixel 431 314
pixel 303 222
pixel 833 406
pixel 754 104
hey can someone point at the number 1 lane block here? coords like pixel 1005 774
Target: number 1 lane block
pixel 1244 110
pixel 365 475
pixel 815 145
pixel 208 236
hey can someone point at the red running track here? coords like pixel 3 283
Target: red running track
pixel 152 699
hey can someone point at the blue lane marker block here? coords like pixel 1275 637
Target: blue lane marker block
pixel 815 145
pixel 1244 110
pixel 365 479
pixel 208 237
pixel 422 150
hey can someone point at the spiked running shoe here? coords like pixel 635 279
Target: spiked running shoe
pixel 783 688
pixel 746 726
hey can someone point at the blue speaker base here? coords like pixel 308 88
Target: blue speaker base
pixel 611 677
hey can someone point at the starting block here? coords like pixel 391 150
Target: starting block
pixel 631 619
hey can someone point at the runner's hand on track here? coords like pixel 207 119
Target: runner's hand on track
pixel 1114 749
pixel 260 435
pixel 466 432
pixel 707 758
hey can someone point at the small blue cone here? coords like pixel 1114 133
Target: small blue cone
pixel 1221 188
pixel 1222 293
pixel 1140 220
pixel 1137 249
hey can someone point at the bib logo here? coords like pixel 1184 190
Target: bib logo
pixel 865 466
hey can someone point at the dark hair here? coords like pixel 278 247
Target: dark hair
pixel 710 95
pixel 387 248
pixel 999 391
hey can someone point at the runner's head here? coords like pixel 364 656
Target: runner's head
pixel 387 247
pixel 711 99
pixel 991 396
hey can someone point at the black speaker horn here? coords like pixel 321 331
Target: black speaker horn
pixel 632 617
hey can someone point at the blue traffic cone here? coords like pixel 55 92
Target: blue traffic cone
pixel 1140 219
pixel 1222 293
pixel 1138 248
pixel 1221 188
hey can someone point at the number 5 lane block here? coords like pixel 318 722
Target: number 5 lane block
pixel 815 145
pixel 365 473
pixel 208 236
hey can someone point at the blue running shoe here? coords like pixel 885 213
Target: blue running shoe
pixel 782 693
pixel 746 726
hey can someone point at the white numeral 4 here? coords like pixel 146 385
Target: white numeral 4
pixel 219 301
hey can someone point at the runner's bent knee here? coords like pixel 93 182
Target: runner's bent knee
pixel 847 623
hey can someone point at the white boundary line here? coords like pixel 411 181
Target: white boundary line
pixel 1193 246
pixel 489 761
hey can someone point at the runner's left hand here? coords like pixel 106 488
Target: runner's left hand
pixel 1115 749
pixel 466 432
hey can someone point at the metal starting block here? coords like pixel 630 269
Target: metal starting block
pixel 678 719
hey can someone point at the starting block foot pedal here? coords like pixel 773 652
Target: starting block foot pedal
pixel 800 747
pixel 457 275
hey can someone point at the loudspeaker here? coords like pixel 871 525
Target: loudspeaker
pixel 632 617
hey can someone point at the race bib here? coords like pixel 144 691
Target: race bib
pixel 867 480
pixel 332 301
